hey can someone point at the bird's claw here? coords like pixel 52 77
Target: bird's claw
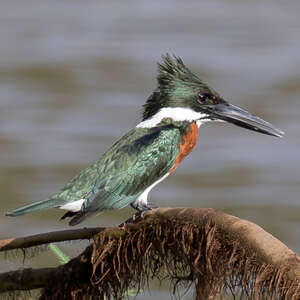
pixel 141 214
pixel 136 216
pixel 142 209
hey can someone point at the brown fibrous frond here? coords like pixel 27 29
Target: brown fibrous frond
pixel 185 246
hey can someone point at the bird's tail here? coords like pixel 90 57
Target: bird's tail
pixel 44 204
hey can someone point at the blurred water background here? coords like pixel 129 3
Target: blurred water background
pixel 73 78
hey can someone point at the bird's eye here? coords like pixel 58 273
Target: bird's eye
pixel 203 98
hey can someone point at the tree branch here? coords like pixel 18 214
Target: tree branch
pixel 213 250
pixel 49 237
pixel 28 279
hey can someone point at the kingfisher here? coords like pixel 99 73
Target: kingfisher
pixel 150 152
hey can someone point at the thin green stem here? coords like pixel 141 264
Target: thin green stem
pixel 62 257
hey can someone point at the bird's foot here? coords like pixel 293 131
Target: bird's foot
pixel 142 209
pixel 140 206
pixel 136 216
pixel 140 214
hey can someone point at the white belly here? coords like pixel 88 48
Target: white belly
pixel 143 197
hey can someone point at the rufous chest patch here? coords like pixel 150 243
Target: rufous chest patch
pixel 187 145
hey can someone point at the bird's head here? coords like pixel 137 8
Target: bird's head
pixel 182 96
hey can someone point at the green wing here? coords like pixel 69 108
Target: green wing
pixel 122 174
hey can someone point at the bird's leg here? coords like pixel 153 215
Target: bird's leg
pixel 142 208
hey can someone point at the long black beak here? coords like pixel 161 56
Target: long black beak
pixel 233 114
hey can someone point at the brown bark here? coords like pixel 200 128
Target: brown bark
pixel 26 279
pixel 48 237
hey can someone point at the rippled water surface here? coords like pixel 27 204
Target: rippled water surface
pixel 73 78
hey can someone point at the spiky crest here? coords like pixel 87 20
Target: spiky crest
pixel 176 86
pixel 173 69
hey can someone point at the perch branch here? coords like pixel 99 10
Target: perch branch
pixel 26 279
pixel 49 237
pixel 212 249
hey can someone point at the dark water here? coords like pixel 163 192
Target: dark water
pixel 73 78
